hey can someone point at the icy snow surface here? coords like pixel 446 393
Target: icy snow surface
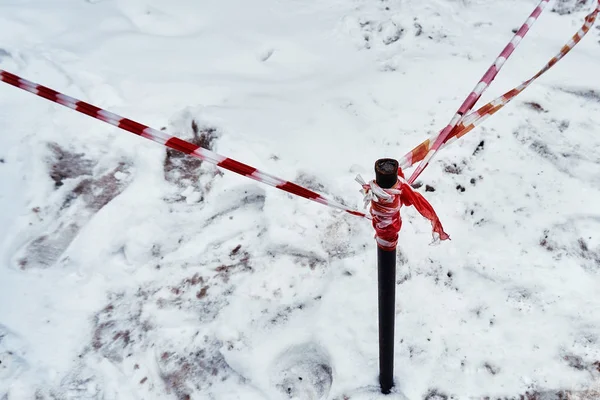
pixel 129 272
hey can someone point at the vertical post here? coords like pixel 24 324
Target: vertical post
pixel 386 176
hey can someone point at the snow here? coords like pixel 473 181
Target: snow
pixel 129 272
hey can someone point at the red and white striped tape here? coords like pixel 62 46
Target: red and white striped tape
pixel 409 196
pixel 476 118
pixel 385 210
pixel 459 126
pixel 173 142
pixel 483 84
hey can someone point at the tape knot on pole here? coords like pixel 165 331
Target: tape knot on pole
pixel 385 212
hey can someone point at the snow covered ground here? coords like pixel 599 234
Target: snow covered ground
pixel 129 272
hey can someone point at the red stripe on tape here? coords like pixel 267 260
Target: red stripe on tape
pixel 356 213
pixel 298 190
pixel 137 128
pixel 523 31
pixel 174 143
pixel 47 93
pixel 87 109
pixel 237 166
pixel 10 76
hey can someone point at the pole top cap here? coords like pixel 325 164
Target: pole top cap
pixel 386 172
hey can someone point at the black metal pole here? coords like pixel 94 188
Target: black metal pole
pixel 386 176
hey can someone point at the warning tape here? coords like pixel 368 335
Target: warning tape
pixel 476 118
pixel 458 126
pixel 476 93
pixel 410 197
pixel 173 142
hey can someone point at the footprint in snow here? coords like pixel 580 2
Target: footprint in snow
pixel 11 364
pixel 4 54
pixel 302 372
